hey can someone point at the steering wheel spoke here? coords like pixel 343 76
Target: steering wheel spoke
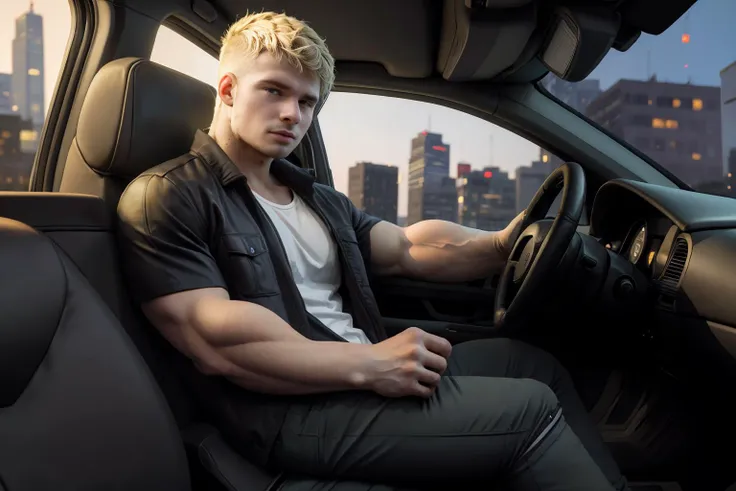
pixel 540 246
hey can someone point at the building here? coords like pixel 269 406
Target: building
pixel 6 87
pixel 463 169
pixel 552 161
pixel 486 199
pixel 432 192
pixel 528 181
pixel 28 73
pixel 375 189
pixel 577 95
pixel 15 166
pixel 677 125
pixel 728 112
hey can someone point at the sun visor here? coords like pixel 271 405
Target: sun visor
pixel 578 41
pixel 480 39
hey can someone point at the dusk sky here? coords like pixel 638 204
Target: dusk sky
pixel 369 128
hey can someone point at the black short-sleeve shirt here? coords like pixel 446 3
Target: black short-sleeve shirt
pixel 193 223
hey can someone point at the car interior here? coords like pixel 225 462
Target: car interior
pixel 628 284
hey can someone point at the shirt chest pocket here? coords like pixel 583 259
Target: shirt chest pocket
pixel 248 268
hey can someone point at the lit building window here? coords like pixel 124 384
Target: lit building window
pixel 28 135
pixel 697 156
pixel 34 72
pixel 672 124
pixel 657 123
pixel 14 108
pixel 545 158
pixel 461 199
pixel 676 102
pixel 697 104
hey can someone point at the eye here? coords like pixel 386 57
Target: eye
pixel 273 91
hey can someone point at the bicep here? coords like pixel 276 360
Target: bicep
pixel 389 247
pixel 179 319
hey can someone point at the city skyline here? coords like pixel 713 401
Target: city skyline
pixel 360 127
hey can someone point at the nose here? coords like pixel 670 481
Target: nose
pixel 291 111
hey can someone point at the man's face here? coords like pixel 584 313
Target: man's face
pixel 272 104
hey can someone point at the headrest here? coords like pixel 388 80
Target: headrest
pixel 138 114
pixel 33 288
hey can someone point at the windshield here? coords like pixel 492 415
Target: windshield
pixel 672 96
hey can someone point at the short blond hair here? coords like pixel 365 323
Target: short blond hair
pixel 283 37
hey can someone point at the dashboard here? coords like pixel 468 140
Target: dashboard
pixel 642 241
pixel 684 241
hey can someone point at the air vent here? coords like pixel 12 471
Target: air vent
pixel 673 271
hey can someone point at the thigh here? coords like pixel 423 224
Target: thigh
pixel 502 357
pixel 471 428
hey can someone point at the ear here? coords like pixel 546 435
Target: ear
pixel 226 88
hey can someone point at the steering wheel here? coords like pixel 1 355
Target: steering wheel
pixel 540 247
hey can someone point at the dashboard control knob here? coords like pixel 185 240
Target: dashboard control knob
pixel 624 288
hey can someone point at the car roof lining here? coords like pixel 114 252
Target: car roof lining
pixel 413 38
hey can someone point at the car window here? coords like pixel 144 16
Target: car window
pixel 178 53
pixel 406 161
pixel 671 96
pixel 33 38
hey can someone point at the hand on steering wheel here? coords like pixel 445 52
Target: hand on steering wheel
pixel 540 245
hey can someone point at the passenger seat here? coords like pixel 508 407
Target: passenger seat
pixel 79 410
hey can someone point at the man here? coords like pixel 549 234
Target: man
pixel 261 277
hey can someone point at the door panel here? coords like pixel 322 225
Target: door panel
pixel 456 311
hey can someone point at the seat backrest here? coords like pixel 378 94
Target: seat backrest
pixel 138 114
pixel 79 410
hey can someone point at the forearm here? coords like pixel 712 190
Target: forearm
pixel 261 352
pixel 446 251
pixel 297 368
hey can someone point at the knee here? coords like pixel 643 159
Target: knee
pixel 543 365
pixel 539 397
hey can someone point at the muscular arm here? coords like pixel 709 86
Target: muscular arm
pixel 437 250
pixel 252 346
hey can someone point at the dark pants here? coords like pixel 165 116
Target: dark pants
pixel 493 420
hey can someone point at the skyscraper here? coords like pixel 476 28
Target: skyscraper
pixel 6 87
pixel 677 125
pixel 432 192
pixel 728 112
pixel 28 74
pixel 374 188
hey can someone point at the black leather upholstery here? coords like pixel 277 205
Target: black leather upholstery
pixel 135 115
pixel 175 106
pixel 80 411
pixel 82 226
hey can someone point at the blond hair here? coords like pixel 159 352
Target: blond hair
pixel 281 36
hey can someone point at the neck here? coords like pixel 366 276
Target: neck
pixel 254 165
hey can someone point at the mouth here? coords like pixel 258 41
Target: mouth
pixel 285 134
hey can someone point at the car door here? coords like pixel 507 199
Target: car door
pixel 428 161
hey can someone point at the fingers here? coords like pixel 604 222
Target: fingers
pixel 424 391
pixel 434 362
pixel 437 345
pixel 428 377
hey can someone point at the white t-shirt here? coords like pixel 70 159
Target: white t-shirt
pixel 314 264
